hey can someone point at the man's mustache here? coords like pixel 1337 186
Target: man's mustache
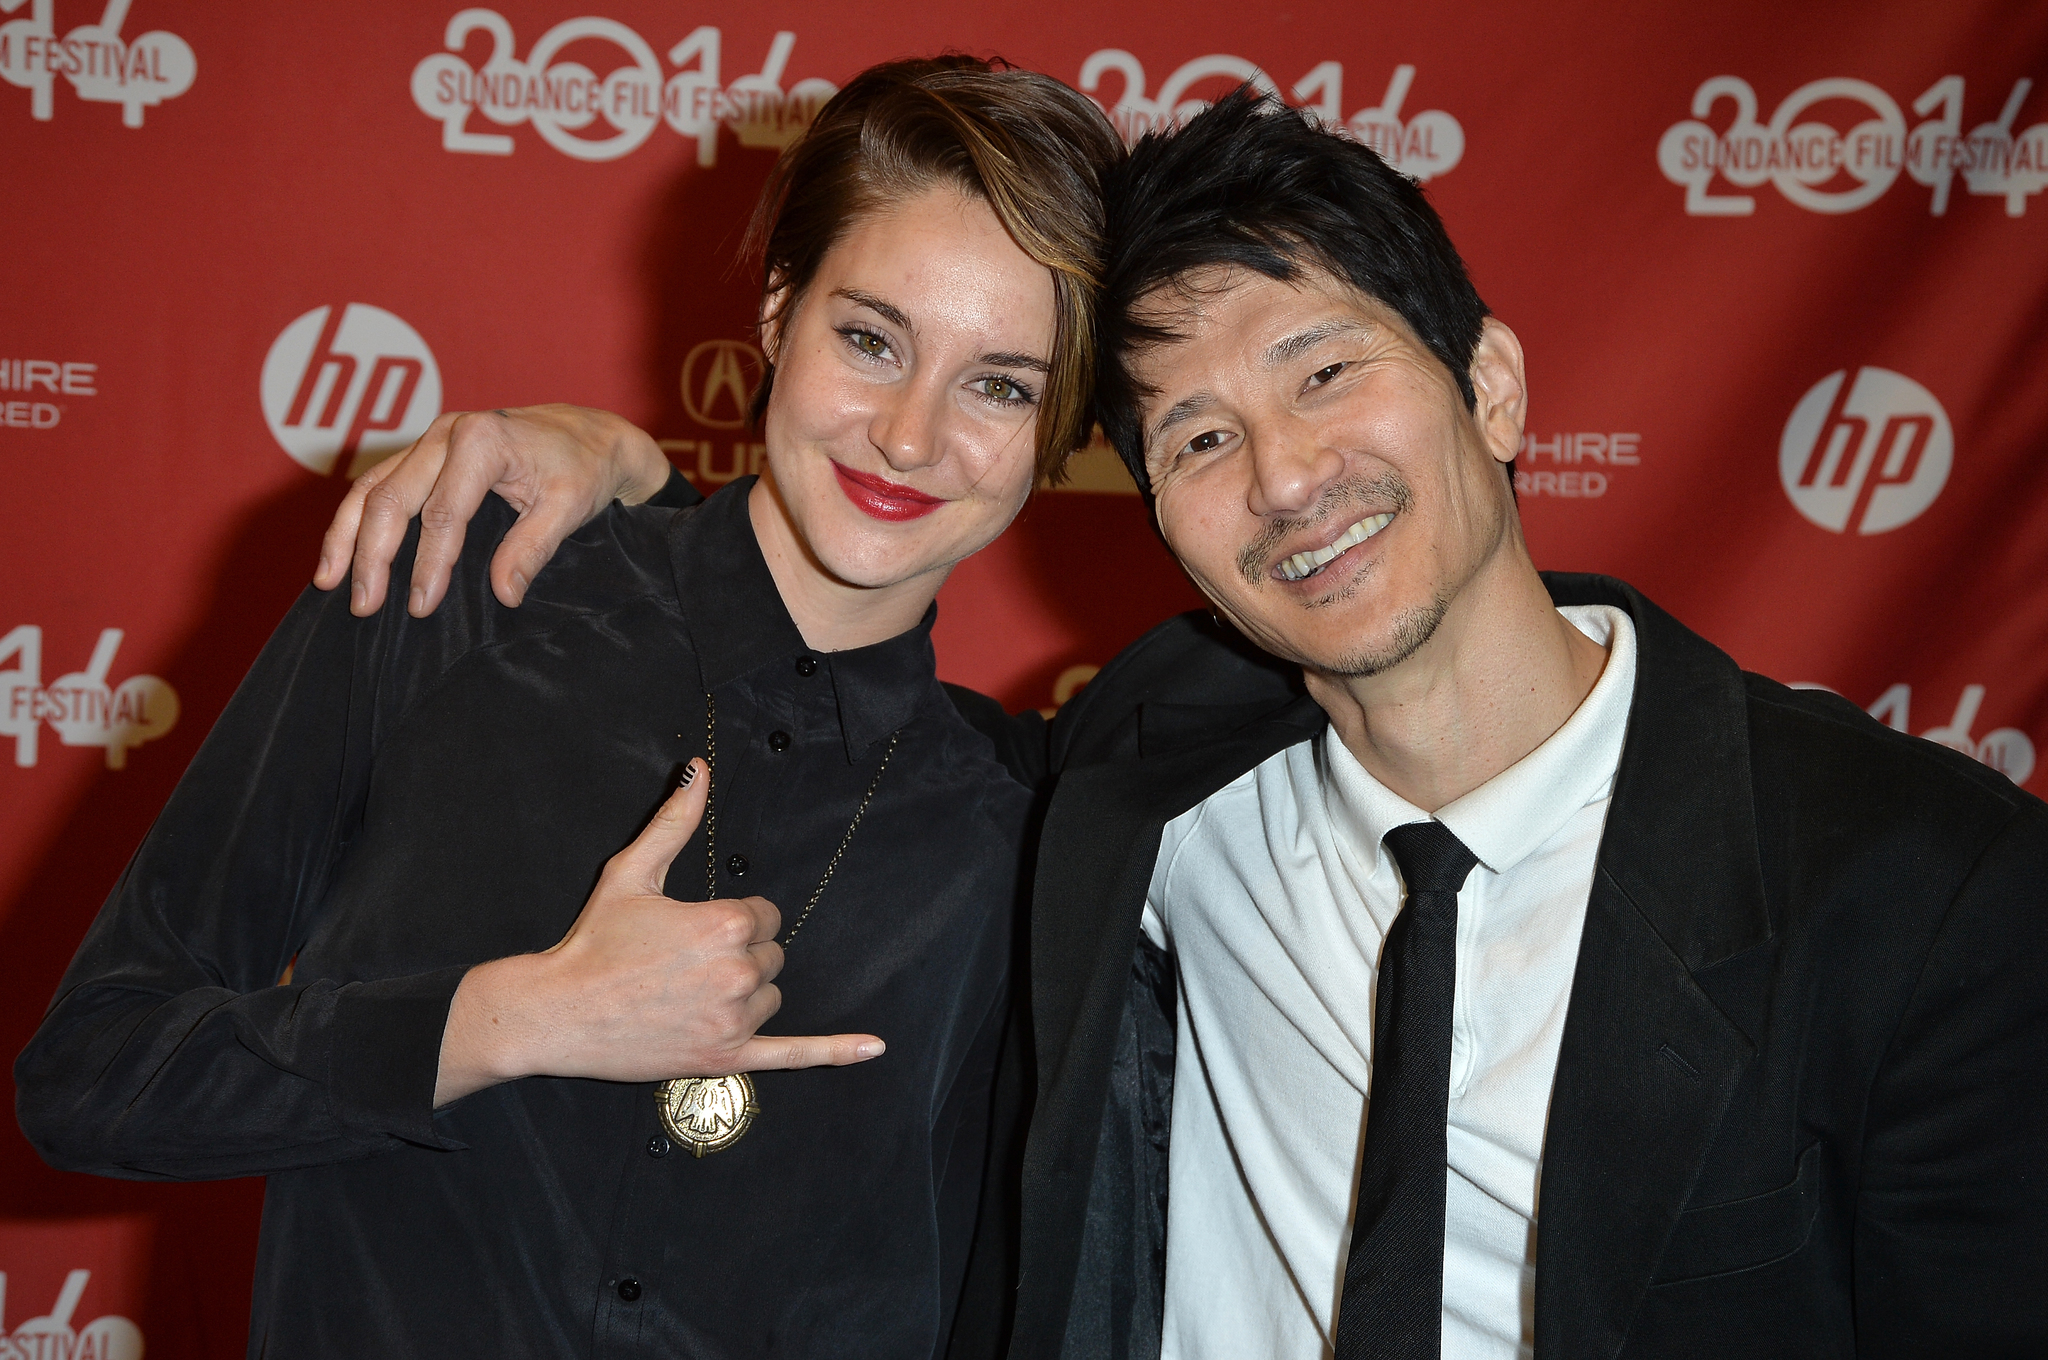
pixel 1386 491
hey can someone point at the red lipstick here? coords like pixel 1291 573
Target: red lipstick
pixel 881 499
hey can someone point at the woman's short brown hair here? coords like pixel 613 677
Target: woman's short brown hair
pixel 1031 148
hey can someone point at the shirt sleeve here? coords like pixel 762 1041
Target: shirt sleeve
pixel 1952 1211
pixel 677 493
pixel 173 1050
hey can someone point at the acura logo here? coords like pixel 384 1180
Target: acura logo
pixel 719 378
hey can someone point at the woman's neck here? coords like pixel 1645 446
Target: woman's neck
pixel 833 615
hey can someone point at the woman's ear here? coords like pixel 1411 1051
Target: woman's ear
pixel 774 307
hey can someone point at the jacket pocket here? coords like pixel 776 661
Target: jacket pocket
pixel 1720 1239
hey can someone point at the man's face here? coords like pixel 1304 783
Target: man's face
pixel 1316 469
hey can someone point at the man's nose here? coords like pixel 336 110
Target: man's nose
pixel 1291 468
pixel 909 427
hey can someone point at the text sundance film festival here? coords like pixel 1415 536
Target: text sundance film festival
pixel 1802 156
pixel 561 98
pixel 51 1335
pixel 99 64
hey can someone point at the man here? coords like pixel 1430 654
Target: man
pixel 1512 973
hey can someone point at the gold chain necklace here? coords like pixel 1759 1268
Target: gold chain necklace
pixel 705 1114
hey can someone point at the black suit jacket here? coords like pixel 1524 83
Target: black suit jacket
pixel 1799 1106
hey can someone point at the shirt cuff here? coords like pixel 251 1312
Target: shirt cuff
pixel 676 493
pixel 387 1053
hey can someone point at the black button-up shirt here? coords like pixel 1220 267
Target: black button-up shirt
pixel 393 800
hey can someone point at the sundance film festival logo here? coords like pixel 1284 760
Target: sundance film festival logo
pixel 1865 452
pixel 81 707
pixel 1802 154
pixel 136 74
pixel 346 387
pixel 51 1336
pixel 1427 144
pixel 560 99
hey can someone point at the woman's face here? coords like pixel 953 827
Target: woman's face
pixel 901 427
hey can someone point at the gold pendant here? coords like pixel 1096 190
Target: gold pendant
pixel 705 1114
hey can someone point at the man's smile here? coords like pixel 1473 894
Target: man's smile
pixel 1303 565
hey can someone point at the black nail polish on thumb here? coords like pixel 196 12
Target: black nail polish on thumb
pixel 689 776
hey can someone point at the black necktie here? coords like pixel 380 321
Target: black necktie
pixel 1393 1300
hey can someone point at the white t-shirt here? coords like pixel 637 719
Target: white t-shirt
pixel 1274 896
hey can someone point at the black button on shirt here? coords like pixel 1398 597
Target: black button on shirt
pixel 395 800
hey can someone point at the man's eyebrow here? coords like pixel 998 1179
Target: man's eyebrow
pixel 887 311
pixel 1301 342
pixel 1187 408
pixel 1015 359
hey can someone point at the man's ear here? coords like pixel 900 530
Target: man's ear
pixel 1502 389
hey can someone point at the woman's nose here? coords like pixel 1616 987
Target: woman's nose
pixel 908 428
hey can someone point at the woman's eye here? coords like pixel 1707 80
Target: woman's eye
pixel 1004 391
pixel 868 343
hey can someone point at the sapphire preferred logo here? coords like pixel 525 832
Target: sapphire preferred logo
pixel 1574 464
pixel 345 387
pixel 1422 146
pixel 1865 452
pixel 137 73
pixel 52 1337
pixel 601 116
pixel 1837 145
pixel 22 381
pixel 81 707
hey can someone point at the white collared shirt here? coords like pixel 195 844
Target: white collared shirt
pixel 1275 895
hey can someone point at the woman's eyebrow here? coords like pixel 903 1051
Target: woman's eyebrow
pixel 887 311
pixel 1015 359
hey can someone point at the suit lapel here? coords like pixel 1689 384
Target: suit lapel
pixel 1648 1061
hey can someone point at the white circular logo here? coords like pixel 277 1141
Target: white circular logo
pixel 348 387
pixel 1865 452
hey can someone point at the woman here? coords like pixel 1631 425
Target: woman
pixel 349 956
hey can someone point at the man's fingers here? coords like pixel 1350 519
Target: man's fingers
pixel 389 503
pixel 338 545
pixel 644 863
pixel 772 1053
pixel 530 545
pixel 477 459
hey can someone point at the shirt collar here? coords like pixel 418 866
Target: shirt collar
pixel 738 624
pixel 1517 810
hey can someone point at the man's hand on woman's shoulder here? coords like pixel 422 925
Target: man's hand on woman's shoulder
pixel 558 466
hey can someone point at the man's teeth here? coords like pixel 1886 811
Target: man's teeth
pixel 1301 566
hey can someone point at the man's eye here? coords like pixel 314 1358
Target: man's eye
pixel 1202 443
pixel 1323 375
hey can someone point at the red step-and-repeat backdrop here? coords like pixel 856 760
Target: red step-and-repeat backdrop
pixel 1781 272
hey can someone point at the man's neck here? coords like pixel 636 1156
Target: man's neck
pixel 832 615
pixel 1502 672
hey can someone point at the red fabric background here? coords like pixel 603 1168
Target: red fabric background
pixel 191 179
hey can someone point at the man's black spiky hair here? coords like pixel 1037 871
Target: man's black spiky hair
pixel 1253 184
